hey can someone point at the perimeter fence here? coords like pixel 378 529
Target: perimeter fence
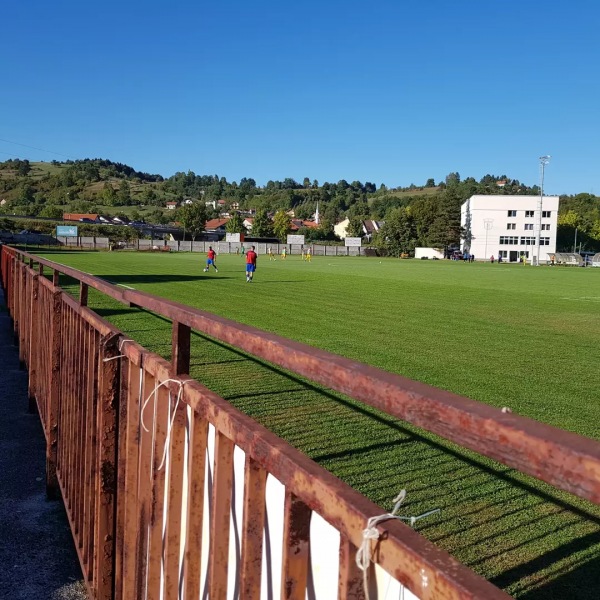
pixel 150 463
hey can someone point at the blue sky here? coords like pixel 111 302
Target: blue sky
pixel 390 92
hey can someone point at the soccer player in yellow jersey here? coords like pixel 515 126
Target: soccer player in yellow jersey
pixel 308 256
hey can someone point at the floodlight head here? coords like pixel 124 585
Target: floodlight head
pixel 545 159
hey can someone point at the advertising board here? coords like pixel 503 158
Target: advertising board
pixel 66 231
pixel 295 239
pixel 353 241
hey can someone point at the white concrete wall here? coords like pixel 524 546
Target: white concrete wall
pixel 429 253
pixel 489 222
pixel 340 229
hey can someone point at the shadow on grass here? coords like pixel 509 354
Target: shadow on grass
pixel 134 280
pixel 527 538
pixel 63 250
pixel 575 582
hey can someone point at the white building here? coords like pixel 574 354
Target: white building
pixel 508 226
pixel 341 229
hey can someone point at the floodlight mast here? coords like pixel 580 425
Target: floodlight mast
pixel 544 160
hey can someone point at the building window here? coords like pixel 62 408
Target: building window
pixel 511 226
pixel 527 241
pixel 503 253
pixel 544 241
pixel 546 214
pixel 509 239
pixel 528 226
pixel 512 213
pixel 528 214
pixel 545 226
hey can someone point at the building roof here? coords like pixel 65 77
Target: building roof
pixel 78 216
pixel 297 223
pixel 215 224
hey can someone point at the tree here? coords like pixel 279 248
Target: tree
pixel 51 211
pixel 290 184
pixel 398 234
pixel 25 194
pixel 193 217
pixel 304 211
pixel 430 183
pixel 109 196
pixel 569 218
pixel 281 225
pixel 149 196
pixel 262 226
pixel 124 193
pixel 359 209
pixel 445 230
pixel 23 167
pixel 325 231
pixel 453 178
pixel 355 227
pixel 235 224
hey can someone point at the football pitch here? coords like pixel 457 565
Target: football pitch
pixel 507 335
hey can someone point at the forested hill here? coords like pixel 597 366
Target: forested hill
pixel 430 212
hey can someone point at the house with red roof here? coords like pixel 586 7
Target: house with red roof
pixel 216 225
pixel 85 217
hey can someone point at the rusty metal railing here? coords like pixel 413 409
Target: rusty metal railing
pixel 138 525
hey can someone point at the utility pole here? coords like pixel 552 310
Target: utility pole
pixel 544 160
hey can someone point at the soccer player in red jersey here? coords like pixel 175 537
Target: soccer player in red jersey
pixel 211 257
pixel 250 264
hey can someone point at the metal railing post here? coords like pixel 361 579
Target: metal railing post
pixel 180 348
pixel 52 411
pixel 33 344
pixel 106 470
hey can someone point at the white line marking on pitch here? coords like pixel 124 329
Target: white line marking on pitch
pixel 121 285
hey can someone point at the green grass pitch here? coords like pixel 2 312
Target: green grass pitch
pixel 507 335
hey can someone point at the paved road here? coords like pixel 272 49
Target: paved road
pixel 37 554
